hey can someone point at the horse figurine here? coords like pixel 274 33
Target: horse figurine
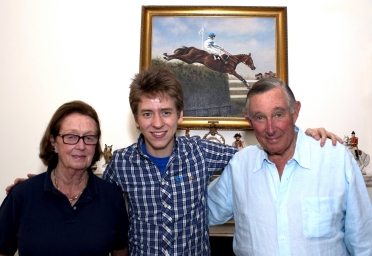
pixel 191 55
pixel 362 158
pixel 107 154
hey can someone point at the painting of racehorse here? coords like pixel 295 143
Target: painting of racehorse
pixel 228 47
pixel 227 63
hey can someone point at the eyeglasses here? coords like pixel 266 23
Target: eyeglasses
pixel 72 139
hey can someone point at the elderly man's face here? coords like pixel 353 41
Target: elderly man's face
pixel 272 122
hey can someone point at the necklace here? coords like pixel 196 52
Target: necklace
pixel 69 199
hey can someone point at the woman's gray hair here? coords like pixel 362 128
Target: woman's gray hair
pixel 267 84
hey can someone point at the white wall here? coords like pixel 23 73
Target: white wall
pixel 54 51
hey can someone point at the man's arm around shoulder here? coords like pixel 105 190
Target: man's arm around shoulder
pixel 220 202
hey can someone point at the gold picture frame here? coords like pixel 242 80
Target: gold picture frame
pixel 262 29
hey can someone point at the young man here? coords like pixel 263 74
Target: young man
pixel 164 176
pixel 288 196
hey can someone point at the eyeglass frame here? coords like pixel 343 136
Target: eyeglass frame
pixel 80 137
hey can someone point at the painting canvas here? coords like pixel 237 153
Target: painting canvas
pixel 251 44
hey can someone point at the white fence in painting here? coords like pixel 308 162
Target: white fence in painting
pixel 239 92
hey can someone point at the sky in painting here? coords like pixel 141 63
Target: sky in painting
pixel 238 35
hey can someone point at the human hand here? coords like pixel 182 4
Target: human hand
pixel 16 181
pixel 321 133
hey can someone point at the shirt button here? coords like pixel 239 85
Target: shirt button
pixel 283 237
pixel 74 208
pixel 281 208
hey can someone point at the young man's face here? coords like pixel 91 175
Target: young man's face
pixel 272 121
pixel 157 120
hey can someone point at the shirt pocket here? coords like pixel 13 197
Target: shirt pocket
pixel 319 217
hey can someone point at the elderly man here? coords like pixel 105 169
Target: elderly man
pixel 287 195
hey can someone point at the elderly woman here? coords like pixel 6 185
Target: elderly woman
pixel 66 210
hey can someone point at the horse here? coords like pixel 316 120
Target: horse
pixel 269 74
pixel 192 55
pixel 362 159
pixel 259 76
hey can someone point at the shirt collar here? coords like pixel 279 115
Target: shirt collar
pixel 301 154
pixel 141 145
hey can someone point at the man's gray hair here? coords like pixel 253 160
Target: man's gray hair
pixel 267 84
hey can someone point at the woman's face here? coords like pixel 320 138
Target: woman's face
pixel 80 155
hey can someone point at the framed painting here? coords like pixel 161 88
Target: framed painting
pixel 217 53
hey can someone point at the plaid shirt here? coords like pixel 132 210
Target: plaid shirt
pixel 168 212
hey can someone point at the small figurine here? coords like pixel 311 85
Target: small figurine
pixel 354 144
pixel 213 135
pixel 187 132
pixel 107 154
pixel 361 157
pixel 238 142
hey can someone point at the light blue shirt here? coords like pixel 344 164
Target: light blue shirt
pixel 320 206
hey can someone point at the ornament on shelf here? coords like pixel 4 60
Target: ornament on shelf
pixel 360 156
pixel 187 132
pixel 238 142
pixel 107 154
pixel 213 135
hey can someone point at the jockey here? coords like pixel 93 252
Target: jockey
pixel 211 47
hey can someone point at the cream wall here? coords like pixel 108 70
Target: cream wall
pixel 53 51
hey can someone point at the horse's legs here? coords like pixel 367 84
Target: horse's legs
pixel 240 78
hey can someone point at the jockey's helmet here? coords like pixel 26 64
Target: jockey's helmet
pixel 211 34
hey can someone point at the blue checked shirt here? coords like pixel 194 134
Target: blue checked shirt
pixel 168 212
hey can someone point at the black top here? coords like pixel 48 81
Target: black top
pixel 38 219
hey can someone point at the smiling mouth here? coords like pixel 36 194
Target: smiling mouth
pixel 158 134
pixel 79 157
pixel 272 139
